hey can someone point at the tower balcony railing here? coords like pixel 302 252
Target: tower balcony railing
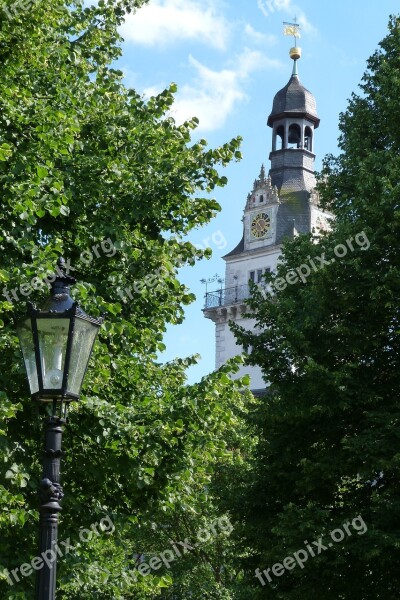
pixel 227 296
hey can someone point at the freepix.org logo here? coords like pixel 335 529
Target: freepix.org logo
pixel 105 525
pixel 302 272
pixel 106 248
pixel 316 547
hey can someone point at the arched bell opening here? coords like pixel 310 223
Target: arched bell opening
pixel 279 138
pixel 294 138
pixel 308 139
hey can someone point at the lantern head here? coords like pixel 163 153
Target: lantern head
pixel 56 342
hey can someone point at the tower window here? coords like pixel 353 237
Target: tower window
pixel 308 139
pixel 294 136
pixel 261 198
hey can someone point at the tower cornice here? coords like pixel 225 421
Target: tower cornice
pixel 294 114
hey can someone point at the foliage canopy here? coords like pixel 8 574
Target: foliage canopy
pixel 328 446
pixel 87 163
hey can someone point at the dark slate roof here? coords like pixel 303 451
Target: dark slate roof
pixel 293 215
pixel 238 250
pixel 293 99
pixel 260 393
pixel 291 179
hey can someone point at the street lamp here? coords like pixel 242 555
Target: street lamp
pixel 56 343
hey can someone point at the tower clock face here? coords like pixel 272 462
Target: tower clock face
pixel 260 225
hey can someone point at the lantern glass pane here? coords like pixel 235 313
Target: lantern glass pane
pixel 24 331
pixel 83 339
pixel 53 337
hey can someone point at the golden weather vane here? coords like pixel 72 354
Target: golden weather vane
pixel 292 29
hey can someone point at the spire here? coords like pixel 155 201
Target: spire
pixel 295 52
pixel 262 180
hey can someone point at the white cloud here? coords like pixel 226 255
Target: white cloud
pixel 306 25
pixel 131 78
pixel 254 60
pixel 258 37
pixel 163 22
pixel 214 94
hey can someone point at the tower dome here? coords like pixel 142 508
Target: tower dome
pixel 294 100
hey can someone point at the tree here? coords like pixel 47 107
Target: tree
pixel 328 451
pixel 92 171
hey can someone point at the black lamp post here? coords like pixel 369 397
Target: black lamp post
pixel 56 342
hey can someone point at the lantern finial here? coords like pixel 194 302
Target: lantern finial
pixel 60 299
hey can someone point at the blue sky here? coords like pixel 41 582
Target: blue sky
pixel 228 60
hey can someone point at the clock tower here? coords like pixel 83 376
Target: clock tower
pixel 279 206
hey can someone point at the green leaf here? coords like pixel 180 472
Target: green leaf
pixel 42 171
pixel 64 210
